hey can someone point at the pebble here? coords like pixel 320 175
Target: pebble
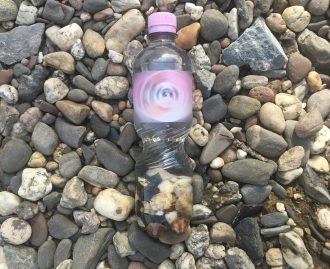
pixel 195 11
pixel 92 6
pixel 252 81
pixel 35 184
pixel 15 155
pixel 319 142
pixel 46 253
pixel 69 164
pixel 309 124
pixel 9 202
pixel 30 118
pixel 8 10
pixel 222 233
pixel 98 241
pixel 323 218
pixel 272 118
pixel 242 107
pixel 16 254
pixel 44 138
pixel 264 53
pixel 262 94
pixel 122 246
pixel 319 164
pixel 265 142
pixel 9 94
pixel 233 28
pixel 199 135
pixel 318 7
pixel 311 45
pixel 219 139
pixel 98 176
pixel 120 6
pixel 314 81
pixel 198 240
pixel 298 67
pixel 214 109
pixel 200 58
pixel 64 38
pixel 55 90
pixel 117 42
pixel 70 134
pixel 60 60
pixel 187 36
pixel 167 264
pixel 77 95
pixel 213 25
pixel 236 257
pixel 15 231
pixel 276 23
pixel 217 163
pixel 113 205
pixel 112 87
pixel 226 80
pixel 21 42
pixel 115 261
pixel 57 12
pixel 27 210
pixel 290 104
pixel 291 159
pixel 185 261
pixel 60 227
pixel 274 219
pixel 294 251
pixel 151 249
pixel 74 194
pixel 296 18
pixel 74 112
pixel 255 194
pixel 274 257
pixel 320 101
pixel 94 43
pixel 66 264
pixel 37 160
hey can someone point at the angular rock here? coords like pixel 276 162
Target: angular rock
pixel 74 112
pixel 61 60
pixel 198 240
pixel 9 202
pixel 265 142
pixel 112 158
pixel 294 251
pixel 249 171
pixel 291 159
pixel 237 258
pixel 264 53
pixel 122 246
pixel 74 194
pixel 70 134
pixel 9 94
pixel 118 42
pixel 220 138
pixel 97 242
pixel 57 12
pixel 153 250
pixel 185 261
pixel 21 42
pixel 204 81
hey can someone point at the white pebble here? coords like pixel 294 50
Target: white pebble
pixel 320 141
pixel 40 57
pixel 84 16
pixel 241 154
pixel 9 94
pixel 235 130
pixel 319 164
pixel 280 207
pixel 8 203
pixel 323 218
pixel 217 163
pixel 115 57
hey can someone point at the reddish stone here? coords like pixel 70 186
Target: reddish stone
pixel 39 230
pixel 6 76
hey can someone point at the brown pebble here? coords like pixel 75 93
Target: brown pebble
pixel 229 155
pixel 280 5
pixel 275 85
pixel 32 62
pixel 263 94
pixel 180 225
pixel 103 14
pixel 225 42
pixel 217 68
pixel 6 76
pixel 298 67
pixel 155 229
pixel 121 121
pixel 314 81
pixel 121 105
pixel 276 23
pixel 250 122
pixel 169 237
pixel 51 166
pixel 96 190
pixel 39 230
pixel 187 36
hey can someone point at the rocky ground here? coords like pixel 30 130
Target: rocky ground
pixel 260 138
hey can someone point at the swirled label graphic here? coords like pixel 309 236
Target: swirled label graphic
pixel 162 96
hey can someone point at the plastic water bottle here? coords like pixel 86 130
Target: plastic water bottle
pixel 162 97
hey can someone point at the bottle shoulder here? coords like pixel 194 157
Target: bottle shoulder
pixel 162 57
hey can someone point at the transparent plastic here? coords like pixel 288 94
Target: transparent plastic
pixel 164 170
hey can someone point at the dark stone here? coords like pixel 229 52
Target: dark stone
pixel 46 107
pixel 214 52
pixel 77 95
pixel 32 85
pixel 292 213
pixel 128 115
pixel 39 230
pixel 278 189
pixel 45 254
pixel 93 6
pixel 20 257
pixel 84 84
pixel 249 171
pixel 63 251
pixel 44 138
pixel 88 154
pixel 227 213
pixel 70 134
pixel 69 164
pixel 96 244
pixel 115 261
pixel 237 258
pixel 242 9
pixel 51 200
pixel 57 12
pixel 191 148
pixel 100 128
pixel 99 69
pixel 112 158
pixel 60 227
pixel 150 248
pixel 255 194
pixel 274 219
pixel 21 42
pixel 248 236
pixel 314 186
pixel 271 232
pixel 263 52
pixel 198 188
pixel 14 155
pixel 83 70
pixel 127 138
pixel 246 211
pixel 214 109
pixel 226 80
pixel 213 24
pixel 20 69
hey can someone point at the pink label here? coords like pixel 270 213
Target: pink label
pixel 162 96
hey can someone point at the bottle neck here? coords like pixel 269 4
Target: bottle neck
pixel 163 37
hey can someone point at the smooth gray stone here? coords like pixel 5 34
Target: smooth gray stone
pixel 271 232
pixel 21 257
pixel 84 84
pixel 21 42
pixel 70 134
pixel 57 12
pixel 44 138
pixel 45 254
pixel 115 261
pixel 274 219
pixel 62 252
pixel 256 47
pixel 60 227
pixel 255 194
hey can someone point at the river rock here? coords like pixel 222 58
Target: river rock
pixel 44 138
pixel 237 257
pixel 320 101
pixel 112 87
pixel 272 118
pixel 94 43
pixel 323 218
pixel 113 205
pixel 226 80
pixel 276 23
pixel 309 124
pixel 123 5
pixel 198 240
pixel 213 25
pixel 298 67
pixel 316 48
pixel 8 10
pixel 243 107
pixel 60 227
pixel 57 12
pixel 320 140
pixel 74 194
pixel 15 231
pixel 290 104
pixel 60 60
pixel 9 202
pixel 318 7
pixel 9 94
pixel 21 42
pixel 319 164
pixel 117 42
pixel 296 18
pixel 265 142
pixel 249 171
pixel 26 15
pixel 55 90
pixel 187 36
pixel 185 261
pixel 291 159
pixel 264 52
pixel 74 112
pixel 16 254
pixel 70 134
pixel 98 176
pixel 294 251
pixel 14 155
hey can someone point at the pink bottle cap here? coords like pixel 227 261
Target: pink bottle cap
pixel 162 22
